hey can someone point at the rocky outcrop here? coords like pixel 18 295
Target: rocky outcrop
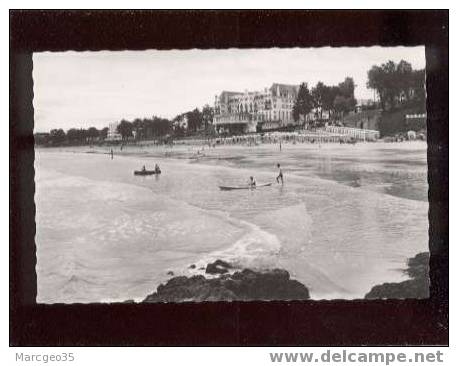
pixel 218 267
pixel 417 287
pixel 240 286
pixel 418 266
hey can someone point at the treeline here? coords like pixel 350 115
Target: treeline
pixel 196 119
pixel 334 100
pixel 185 123
pixel 74 136
pixel 137 129
pixel 144 128
pixel 397 84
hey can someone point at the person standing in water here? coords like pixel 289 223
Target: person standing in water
pixel 111 153
pixel 252 182
pixel 280 174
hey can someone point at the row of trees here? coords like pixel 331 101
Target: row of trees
pixel 73 136
pixel 141 129
pixel 197 120
pixel 335 100
pixel 144 128
pixel 397 83
pixel 155 127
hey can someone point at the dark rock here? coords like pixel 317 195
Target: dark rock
pixel 241 286
pixel 218 267
pixel 416 288
pixel 192 266
pixel 269 285
pixel 410 289
pixel 170 273
pixel 418 266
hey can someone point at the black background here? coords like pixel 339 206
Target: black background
pixel 391 322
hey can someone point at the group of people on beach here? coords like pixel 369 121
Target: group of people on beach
pixel 279 177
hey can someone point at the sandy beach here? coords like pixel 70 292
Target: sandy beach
pixel 347 218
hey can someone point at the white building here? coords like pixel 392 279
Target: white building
pixel 113 134
pixel 268 109
pixel 183 123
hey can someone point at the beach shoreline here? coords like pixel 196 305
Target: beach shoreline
pixel 188 150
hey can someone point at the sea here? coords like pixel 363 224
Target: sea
pixel 346 218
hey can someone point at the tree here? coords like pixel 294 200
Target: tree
pixel 57 136
pixel 161 126
pixel 103 133
pixel 347 88
pixel 345 100
pixel 125 129
pixel 304 102
pixel 92 133
pixel 329 97
pixel 138 127
pixel 405 77
pixel 296 113
pixel 207 116
pixel 375 81
pixel 73 135
pixel 418 86
pixel 391 80
pixel 194 120
pixel 341 105
pixel 319 94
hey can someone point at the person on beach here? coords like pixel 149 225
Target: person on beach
pixel 280 174
pixel 252 182
pixel 111 154
pixel 144 169
pixel 157 170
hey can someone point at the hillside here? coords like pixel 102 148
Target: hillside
pixel 366 119
pixel 393 122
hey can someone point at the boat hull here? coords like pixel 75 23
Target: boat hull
pixel 147 172
pixel 232 188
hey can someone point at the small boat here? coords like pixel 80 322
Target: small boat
pixel 230 188
pixel 146 172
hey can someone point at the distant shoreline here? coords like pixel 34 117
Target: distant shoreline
pixel 151 147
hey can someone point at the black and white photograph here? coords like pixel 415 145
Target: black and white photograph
pixel 258 174
pixel 232 182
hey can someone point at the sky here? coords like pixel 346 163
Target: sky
pixel 84 89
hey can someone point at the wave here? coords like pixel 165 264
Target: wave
pixel 256 249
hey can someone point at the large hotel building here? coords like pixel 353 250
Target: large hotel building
pixel 264 110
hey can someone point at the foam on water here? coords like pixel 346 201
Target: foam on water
pixel 112 241
pixel 105 235
pixel 256 249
